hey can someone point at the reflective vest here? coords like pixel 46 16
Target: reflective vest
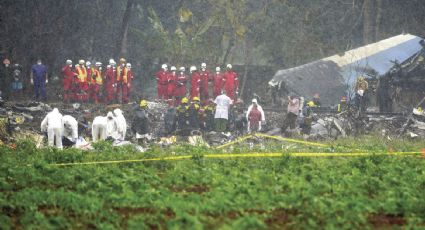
pixel 122 75
pixel 98 79
pixel 82 73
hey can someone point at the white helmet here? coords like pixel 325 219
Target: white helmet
pixel 68 62
pixel 98 64
pixel 173 68
pixel 182 69
pixel 81 62
pixel 192 68
pixel 229 66
pixel 217 69
pixel 128 65
pixel 88 63
pixel 203 65
pixel 111 61
pixel 164 66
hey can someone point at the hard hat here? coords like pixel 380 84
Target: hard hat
pixel 254 100
pixel 344 98
pixel 128 65
pixel 195 99
pixel 68 62
pixel 229 66
pixel 182 69
pixel 164 66
pixel 81 62
pixel 122 60
pixel 217 69
pixel 204 65
pixel 111 61
pixel 185 100
pixel 310 103
pixel 361 78
pixel 88 63
pixel 98 63
pixel 192 68
pixel 143 103
pixel 173 68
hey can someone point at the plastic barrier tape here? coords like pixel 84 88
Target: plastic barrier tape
pixel 242 155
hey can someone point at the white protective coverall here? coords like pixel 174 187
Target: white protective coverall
pixel 121 123
pixel 99 128
pixel 52 124
pixel 223 103
pixel 111 126
pixel 263 117
pixel 70 128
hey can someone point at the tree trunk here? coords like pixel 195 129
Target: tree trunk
pixel 120 48
pixel 248 57
pixel 229 48
pixel 368 22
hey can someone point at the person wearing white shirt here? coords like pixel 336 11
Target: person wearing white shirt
pixel 221 116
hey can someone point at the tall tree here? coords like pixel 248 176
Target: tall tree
pixel 121 45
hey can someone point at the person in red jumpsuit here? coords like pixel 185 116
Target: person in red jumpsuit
pixel 118 81
pixel 110 81
pixel 195 82
pixel 69 78
pixel 96 83
pixel 172 77
pixel 218 82
pixel 162 82
pixel 205 79
pixel 81 71
pixel 127 78
pixel 231 84
pixel 180 87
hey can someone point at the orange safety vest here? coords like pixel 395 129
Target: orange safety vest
pixel 98 79
pixel 125 75
pixel 82 73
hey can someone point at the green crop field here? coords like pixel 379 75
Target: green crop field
pixel 376 191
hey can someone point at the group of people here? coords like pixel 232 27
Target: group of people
pixel 172 83
pixel 11 82
pixel 87 82
pixel 65 131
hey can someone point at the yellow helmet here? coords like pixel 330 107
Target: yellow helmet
pixel 122 60
pixel 311 104
pixel 196 99
pixel 360 78
pixel 185 100
pixel 143 103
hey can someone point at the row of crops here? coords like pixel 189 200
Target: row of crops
pixel 375 191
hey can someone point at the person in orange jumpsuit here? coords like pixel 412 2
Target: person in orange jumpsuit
pixel 96 83
pixel 218 82
pixel 162 82
pixel 118 81
pixel 231 84
pixel 81 72
pixel 110 81
pixel 172 77
pixel 127 78
pixel 180 88
pixel 205 79
pixel 195 82
pixel 69 77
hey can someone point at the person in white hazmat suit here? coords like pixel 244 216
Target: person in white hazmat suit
pixel 99 128
pixel 70 130
pixel 221 116
pixel 111 126
pixel 121 123
pixel 259 108
pixel 52 124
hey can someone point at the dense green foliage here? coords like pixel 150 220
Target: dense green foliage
pixel 291 192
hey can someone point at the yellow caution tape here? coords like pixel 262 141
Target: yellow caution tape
pixel 292 140
pixel 242 155
pixel 272 137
